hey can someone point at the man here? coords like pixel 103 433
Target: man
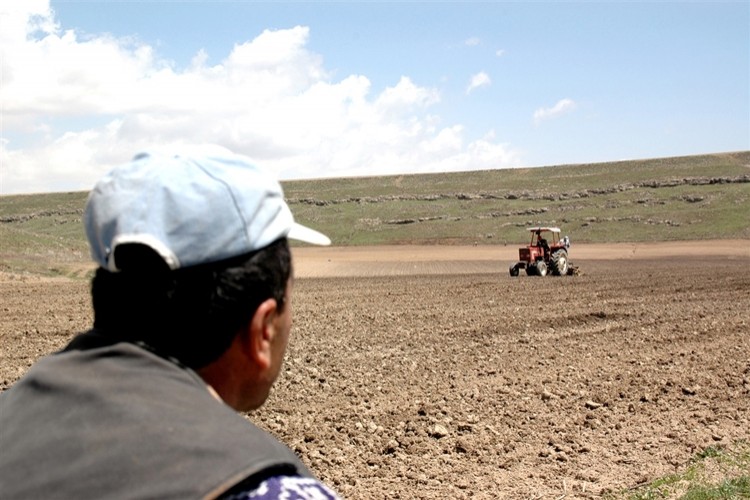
pixel 192 313
pixel 541 242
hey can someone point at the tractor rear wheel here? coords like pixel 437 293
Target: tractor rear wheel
pixel 558 263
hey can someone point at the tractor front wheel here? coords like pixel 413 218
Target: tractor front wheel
pixel 541 268
pixel 514 271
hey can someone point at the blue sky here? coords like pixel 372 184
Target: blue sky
pixel 334 89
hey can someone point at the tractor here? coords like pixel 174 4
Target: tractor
pixel 546 253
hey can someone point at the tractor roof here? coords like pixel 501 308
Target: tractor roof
pixel 551 229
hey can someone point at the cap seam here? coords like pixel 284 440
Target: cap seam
pixel 231 194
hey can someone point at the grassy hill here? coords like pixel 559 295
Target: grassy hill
pixel 684 198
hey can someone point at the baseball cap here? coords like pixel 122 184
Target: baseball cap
pixel 189 207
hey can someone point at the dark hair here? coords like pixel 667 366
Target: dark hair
pixel 191 314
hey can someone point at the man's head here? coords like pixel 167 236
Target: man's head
pixel 191 314
pixel 195 263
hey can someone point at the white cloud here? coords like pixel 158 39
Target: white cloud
pixel 563 106
pixel 75 107
pixel 472 42
pixel 500 52
pixel 481 79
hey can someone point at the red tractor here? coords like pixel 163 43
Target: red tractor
pixel 546 253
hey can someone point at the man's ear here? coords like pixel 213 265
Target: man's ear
pixel 260 333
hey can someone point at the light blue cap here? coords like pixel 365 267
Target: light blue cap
pixel 191 209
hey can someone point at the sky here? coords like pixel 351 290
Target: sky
pixel 311 89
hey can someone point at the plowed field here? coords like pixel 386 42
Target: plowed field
pixel 430 373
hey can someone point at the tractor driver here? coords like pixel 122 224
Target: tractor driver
pixel 541 242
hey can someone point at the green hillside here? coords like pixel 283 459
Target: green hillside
pixel 684 198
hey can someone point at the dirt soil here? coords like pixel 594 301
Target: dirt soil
pixel 428 372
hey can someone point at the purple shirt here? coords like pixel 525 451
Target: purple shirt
pixel 288 488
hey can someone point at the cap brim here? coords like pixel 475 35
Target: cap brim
pixel 307 235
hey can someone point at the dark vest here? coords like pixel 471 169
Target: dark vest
pixel 117 421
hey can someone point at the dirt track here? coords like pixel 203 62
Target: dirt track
pixel 416 260
pixel 427 372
